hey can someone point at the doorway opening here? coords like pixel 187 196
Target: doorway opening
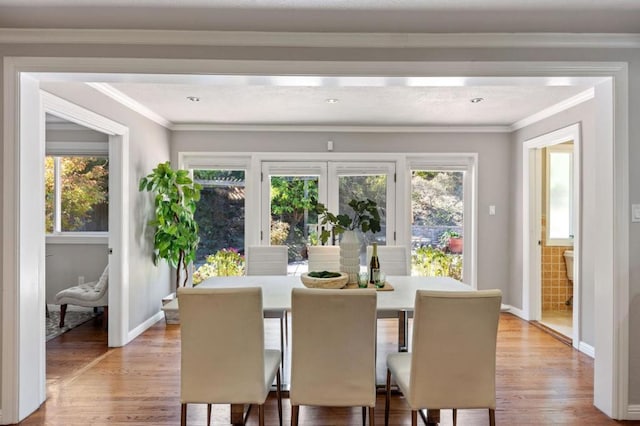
pixel 554 202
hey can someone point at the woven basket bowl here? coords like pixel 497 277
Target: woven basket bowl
pixel 337 282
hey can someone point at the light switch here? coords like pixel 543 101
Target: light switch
pixel 635 213
pixel 492 210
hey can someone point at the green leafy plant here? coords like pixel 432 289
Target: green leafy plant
pixel 434 262
pixel 447 235
pixel 365 217
pixel 226 262
pixel 176 232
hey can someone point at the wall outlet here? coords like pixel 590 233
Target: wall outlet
pixel 80 280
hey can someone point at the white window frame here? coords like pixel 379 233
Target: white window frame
pixel 463 162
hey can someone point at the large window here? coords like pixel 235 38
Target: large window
pixel 76 194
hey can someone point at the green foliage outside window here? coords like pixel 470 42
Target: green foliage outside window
pixel 84 194
pixel 435 262
pixel 226 262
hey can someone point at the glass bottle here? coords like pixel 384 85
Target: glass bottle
pixel 374 264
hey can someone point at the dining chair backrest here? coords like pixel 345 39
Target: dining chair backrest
pixel 324 258
pixel 333 347
pixel 222 345
pixel 461 372
pixel 267 260
pixel 393 259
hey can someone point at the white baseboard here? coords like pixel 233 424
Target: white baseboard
pixel 144 326
pixel 588 350
pixel 515 311
pixel 633 412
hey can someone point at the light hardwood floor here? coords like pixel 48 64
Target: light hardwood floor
pixel 540 381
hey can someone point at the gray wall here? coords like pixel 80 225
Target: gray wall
pixel 148 145
pixel 143 155
pixel 585 115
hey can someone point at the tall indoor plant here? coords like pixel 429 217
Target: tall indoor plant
pixel 176 232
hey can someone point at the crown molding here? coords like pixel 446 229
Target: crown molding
pixel 311 39
pixel 130 103
pixel 554 109
pixel 343 129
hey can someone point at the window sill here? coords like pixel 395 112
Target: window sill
pixel 79 238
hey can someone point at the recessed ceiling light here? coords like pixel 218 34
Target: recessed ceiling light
pixel 476 100
pixel 193 98
pixel 332 101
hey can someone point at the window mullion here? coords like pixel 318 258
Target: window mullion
pixel 57 188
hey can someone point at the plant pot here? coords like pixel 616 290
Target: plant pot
pixel 350 255
pixel 455 245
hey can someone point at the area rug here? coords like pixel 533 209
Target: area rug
pixel 71 320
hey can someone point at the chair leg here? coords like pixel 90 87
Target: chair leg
pixel 387 399
pixel 364 416
pixel 372 417
pixel 63 312
pixel 414 417
pixel 295 409
pixel 282 331
pixel 492 417
pixel 286 327
pixel 208 414
pixel 455 416
pixel 279 396
pixel 261 414
pixel 183 415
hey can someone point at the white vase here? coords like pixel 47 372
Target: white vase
pixel 350 255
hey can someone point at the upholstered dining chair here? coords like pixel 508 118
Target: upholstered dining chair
pixel 453 359
pixel 92 294
pixel 333 347
pixel 394 260
pixel 223 359
pixel 324 258
pixel 270 260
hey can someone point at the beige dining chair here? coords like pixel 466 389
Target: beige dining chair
pixel 223 359
pixel 333 347
pixel 394 260
pixel 324 258
pixel 270 260
pixel 453 359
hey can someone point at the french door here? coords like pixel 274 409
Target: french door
pixel 291 189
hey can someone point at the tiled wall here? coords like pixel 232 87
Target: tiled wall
pixel 556 288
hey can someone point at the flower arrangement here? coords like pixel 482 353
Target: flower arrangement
pixel 365 217
pixel 225 262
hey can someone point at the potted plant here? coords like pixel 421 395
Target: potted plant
pixel 365 217
pixel 176 232
pixel 452 241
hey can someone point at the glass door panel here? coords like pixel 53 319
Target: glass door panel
pixel 363 181
pixel 437 229
pixel 290 192
pixel 220 215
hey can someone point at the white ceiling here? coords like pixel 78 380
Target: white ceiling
pixel 272 101
pixel 402 16
pixel 355 106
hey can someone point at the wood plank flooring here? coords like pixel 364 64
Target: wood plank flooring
pixel 540 381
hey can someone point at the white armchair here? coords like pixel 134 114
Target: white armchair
pixel 92 294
